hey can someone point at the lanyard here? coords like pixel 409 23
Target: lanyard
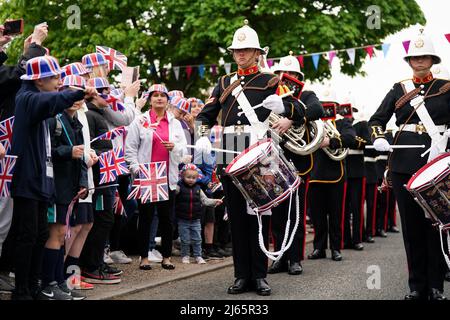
pixel 64 128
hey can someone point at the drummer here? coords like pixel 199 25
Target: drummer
pixel 425 262
pixel 234 93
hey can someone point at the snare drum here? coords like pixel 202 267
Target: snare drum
pixel 263 175
pixel 430 187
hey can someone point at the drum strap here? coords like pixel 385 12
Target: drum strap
pixel 418 104
pixel 259 129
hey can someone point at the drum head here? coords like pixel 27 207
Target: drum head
pixel 249 156
pixel 435 170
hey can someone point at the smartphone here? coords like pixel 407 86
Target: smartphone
pixel 13 27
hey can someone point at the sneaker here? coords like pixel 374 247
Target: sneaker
pixel 5 285
pixel 80 284
pixel 75 295
pixel 12 275
pixel 106 268
pixel 153 258
pixel 214 255
pixel 224 253
pixel 107 258
pixel 120 257
pixel 186 260
pixel 53 292
pixel 157 253
pixel 200 260
pixel 158 241
pixel 99 276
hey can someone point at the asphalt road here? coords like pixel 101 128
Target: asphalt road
pixel 353 278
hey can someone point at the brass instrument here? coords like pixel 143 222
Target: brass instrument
pixel 295 140
pixel 332 132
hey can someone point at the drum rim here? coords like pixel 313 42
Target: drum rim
pixel 282 196
pixel 425 167
pixel 233 162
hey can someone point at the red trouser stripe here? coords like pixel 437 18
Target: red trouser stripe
pixel 305 210
pixel 374 210
pixel 363 199
pixel 343 214
pixel 386 211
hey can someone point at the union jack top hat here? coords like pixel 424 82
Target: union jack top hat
pixel 98 83
pixel 74 81
pixel 159 88
pixel 75 68
pixel 94 59
pixel 41 67
pixel 180 103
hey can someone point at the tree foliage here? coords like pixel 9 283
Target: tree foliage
pixel 187 32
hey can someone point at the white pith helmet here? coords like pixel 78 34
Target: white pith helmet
pixel 422 46
pixel 440 71
pixel 245 37
pixel 290 64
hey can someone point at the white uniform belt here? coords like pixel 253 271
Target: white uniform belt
pixel 382 157
pixel 355 152
pixel 419 128
pixel 239 128
pixel 369 159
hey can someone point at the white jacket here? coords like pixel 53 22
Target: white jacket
pixel 87 147
pixel 138 148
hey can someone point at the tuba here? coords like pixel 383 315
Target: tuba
pixel 332 132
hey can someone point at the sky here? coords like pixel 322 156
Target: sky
pixel 382 72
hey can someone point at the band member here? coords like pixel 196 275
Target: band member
pixel 291 260
pixel 355 191
pixel 425 263
pixel 235 92
pixel 326 187
pixel 371 194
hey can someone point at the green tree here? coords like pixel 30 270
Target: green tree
pixel 186 32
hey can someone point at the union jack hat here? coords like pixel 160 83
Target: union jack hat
pixel 76 69
pixel 181 104
pixel 94 59
pixel 199 102
pixel 98 83
pixel 41 67
pixel 158 88
pixel 176 93
pixel 191 166
pixel 74 81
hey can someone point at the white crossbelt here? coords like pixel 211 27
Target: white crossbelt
pixel 355 152
pixel 237 129
pixel 382 157
pixel 416 128
pixel 370 159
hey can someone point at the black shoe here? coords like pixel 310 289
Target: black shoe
pixel 436 294
pixel 295 268
pixel 447 276
pixel 414 295
pixel 262 287
pixel 381 233
pixel 213 255
pixel 317 254
pixel 370 239
pixel 239 286
pixel 358 246
pixel 394 229
pixel 336 255
pixel 223 252
pixel 277 267
pixel 106 268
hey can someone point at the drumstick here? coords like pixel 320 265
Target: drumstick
pixel 403 146
pixel 215 149
pixel 261 104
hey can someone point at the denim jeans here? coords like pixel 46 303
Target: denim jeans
pixel 190 234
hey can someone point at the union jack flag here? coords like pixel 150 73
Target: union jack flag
pixel 118 206
pixel 119 160
pixel 136 191
pixel 6 172
pixel 117 60
pixel 114 102
pixel 216 135
pixel 112 165
pixel 112 134
pixel 6 130
pixel 151 186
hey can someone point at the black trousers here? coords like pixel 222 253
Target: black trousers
pixel 354 212
pixel 221 228
pixel 371 205
pixel 30 229
pixel 91 257
pixel 425 262
pixel 146 214
pixel 278 226
pixel 119 220
pixel 386 209
pixel 250 262
pixel 391 213
pixel 325 202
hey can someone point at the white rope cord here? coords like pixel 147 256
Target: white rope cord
pixel 284 247
pixel 447 260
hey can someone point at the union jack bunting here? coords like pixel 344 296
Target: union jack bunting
pixel 114 103
pixel 119 160
pixel 153 182
pixel 6 172
pixel 112 134
pixel 117 60
pixel 6 130
pixel 118 206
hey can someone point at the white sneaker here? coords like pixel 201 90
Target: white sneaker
pixel 120 257
pixel 158 241
pixel 200 260
pixel 185 259
pixel 106 257
pixel 153 258
pixel 157 253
